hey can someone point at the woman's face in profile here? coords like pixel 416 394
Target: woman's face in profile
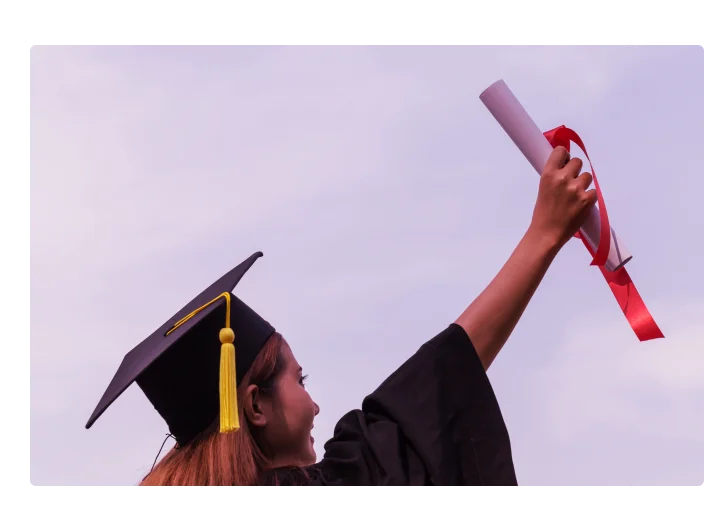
pixel 288 431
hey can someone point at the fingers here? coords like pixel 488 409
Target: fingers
pixel 584 180
pixel 573 167
pixel 557 159
pixel 590 197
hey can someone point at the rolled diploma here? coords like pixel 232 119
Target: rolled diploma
pixel 513 118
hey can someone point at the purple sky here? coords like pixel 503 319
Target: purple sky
pixel 384 197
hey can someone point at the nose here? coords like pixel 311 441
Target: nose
pixel 317 409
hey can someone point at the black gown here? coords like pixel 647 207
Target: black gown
pixel 435 421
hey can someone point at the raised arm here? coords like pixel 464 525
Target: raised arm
pixel 561 207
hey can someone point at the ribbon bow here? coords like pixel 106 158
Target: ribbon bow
pixel 619 281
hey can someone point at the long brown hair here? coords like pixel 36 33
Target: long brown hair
pixel 232 459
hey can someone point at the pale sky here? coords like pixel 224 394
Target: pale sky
pixel 384 197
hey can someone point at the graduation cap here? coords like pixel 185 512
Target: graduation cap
pixel 189 368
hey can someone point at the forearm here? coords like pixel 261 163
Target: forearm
pixel 492 317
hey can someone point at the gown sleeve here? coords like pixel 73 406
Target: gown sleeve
pixel 435 421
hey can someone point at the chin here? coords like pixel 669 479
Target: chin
pixel 312 457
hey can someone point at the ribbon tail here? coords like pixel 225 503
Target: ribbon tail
pixel 631 304
pixel 629 300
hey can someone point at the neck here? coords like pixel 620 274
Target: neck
pixel 280 462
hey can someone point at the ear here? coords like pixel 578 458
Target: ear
pixel 254 407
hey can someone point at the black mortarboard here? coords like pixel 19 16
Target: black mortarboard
pixel 188 368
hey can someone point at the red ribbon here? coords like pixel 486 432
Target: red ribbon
pixel 619 281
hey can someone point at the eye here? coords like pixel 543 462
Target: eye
pixel 303 379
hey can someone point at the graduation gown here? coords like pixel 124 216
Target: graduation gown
pixel 435 421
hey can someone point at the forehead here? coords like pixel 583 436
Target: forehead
pixel 288 356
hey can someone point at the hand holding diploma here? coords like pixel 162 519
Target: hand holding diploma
pixel 564 201
pixel 563 191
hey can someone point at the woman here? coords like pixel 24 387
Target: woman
pixel 240 414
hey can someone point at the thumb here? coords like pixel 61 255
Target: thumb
pixel 558 158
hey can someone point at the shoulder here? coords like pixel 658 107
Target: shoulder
pixel 360 443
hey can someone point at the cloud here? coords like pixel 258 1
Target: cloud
pixel 602 376
pixel 606 386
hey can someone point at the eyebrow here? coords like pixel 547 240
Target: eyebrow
pixel 300 369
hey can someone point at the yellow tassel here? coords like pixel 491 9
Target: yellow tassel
pixel 229 415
